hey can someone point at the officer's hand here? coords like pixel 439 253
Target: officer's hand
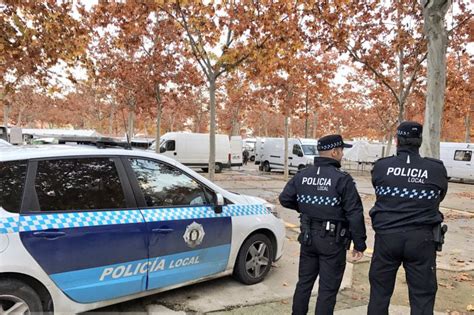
pixel 356 255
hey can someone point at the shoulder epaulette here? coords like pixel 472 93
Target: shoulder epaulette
pixel 342 171
pixel 383 158
pixel 433 159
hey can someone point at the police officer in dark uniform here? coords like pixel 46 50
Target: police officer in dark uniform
pixel 408 189
pixel 330 209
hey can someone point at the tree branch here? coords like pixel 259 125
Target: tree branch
pixel 374 71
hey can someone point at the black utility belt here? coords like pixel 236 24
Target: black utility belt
pixel 329 226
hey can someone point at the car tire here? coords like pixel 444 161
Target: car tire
pixel 254 259
pixel 266 167
pixel 218 168
pixel 19 295
pixel 301 167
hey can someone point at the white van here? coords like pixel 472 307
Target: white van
pixel 192 149
pixel 249 145
pixel 458 160
pixel 301 152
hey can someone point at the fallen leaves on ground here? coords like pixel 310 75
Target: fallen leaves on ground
pixel 463 277
pixel 446 285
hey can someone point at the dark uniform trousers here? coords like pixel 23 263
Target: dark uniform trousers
pixel 326 258
pixel 414 249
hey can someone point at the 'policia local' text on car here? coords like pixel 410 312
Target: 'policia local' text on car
pixel 83 227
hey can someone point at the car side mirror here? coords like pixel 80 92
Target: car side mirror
pixel 162 150
pixel 219 203
pixel 300 154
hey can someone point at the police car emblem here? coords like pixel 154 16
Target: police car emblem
pixel 194 234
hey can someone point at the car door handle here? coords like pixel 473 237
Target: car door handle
pixel 49 234
pixel 290 158
pixel 162 230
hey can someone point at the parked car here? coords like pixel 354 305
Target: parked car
pixel 83 227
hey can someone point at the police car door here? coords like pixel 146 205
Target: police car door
pixel 79 224
pixel 187 239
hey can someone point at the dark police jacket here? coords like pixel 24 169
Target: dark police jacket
pixel 326 193
pixel 408 189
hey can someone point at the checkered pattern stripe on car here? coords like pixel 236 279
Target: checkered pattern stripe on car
pixel 84 219
pixel 40 222
pixel 168 214
pixel 407 193
pixel 319 200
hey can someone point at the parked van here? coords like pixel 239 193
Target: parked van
pixel 192 149
pixel 249 145
pixel 236 149
pixel 301 152
pixel 259 143
pixel 458 159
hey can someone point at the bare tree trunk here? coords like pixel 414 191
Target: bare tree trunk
pixel 159 112
pixel 434 12
pixel 389 144
pixel 131 117
pixel 285 162
pixel 315 123
pixel 306 123
pixel 112 118
pixel 212 127
pixel 401 85
pixel 6 112
pixel 235 126
pixel 468 127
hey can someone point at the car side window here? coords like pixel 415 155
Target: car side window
pixel 163 185
pixel 12 182
pixel 463 155
pixel 78 184
pixel 170 145
pixel 297 149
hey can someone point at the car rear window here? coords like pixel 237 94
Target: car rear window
pixel 79 184
pixel 12 182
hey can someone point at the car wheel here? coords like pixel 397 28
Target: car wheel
pixel 266 167
pixel 17 297
pixel 218 168
pixel 254 260
pixel 301 167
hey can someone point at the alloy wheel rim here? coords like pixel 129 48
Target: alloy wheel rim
pixel 13 305
pixel 258 259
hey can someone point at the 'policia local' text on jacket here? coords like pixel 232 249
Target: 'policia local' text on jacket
pixel 326 193
pixel 409 189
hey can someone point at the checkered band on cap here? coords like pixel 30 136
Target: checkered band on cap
pixel 330 146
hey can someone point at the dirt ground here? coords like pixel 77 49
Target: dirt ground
pixel 455 289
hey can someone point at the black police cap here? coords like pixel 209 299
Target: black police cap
pixel 410 129
pixel 331 142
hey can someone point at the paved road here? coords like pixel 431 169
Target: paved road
pixel 273 296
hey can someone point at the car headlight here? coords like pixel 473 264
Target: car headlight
pixel 272 209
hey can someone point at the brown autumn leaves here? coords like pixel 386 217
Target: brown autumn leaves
pixel 157 59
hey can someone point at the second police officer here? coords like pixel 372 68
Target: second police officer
pixel 330 207
pixel 406 220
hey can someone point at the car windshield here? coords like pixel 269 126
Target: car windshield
pixel 309 149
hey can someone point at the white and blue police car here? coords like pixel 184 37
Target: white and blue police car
pixel 83 227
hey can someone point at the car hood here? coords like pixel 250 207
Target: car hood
pixel 246 199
